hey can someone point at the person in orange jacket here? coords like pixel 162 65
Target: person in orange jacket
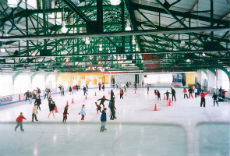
pixel 19 122
pixel 202 95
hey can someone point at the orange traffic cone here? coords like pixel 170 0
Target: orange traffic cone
pixel 67 103
pixel 164 98
pixel 56 110
pixel 169 102
pixel 135 91
pixel 147 92
pixel 72 101
pixel 95 94
pixel 19 98
pixel 155 107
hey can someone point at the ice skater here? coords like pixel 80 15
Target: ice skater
pixel 102 101
pixel 34 112
pixel 203 94
pixel 103 120
pixel 98 107
pixel 99 86
pixel 185 93
pixel 167 94
pixel 112 109
pixel 65 113
pixel 173 92
pixel 84 90
pixel 215 99
pixel 112 95
pixel 52 106
pixel 19 121
pixel 190 90
pixel 82 112
pixel 38 101
pixel 103 87
pixel 70 90
pixel 121 93
pixel 158 95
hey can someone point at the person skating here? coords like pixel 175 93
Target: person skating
pixel 99 86
pixel 84 90
pixel 52 106
pixel 62 91
pixel 196 92
pixel 173 92
pixel 103 120
pixel 102 100
pixel 38 101
pixel 98 107
pixel 121 93
pixel 158 95
pixel 215 99
pixel 70 90
pixel 19 121
pixel 27 93
pixel 203 94
pixel 82 112
pixel 112 95
pixel 34 112
pixel 103 87
pixel 112 109
pixel 65 113
pixel 167 94
pixel 190 90
pixel 185 93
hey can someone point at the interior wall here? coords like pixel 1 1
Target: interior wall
pixel 6 83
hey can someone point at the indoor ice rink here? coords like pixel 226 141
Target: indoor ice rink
pixel 114 77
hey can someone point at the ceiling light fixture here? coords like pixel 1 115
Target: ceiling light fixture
pixel 115 2
pixel 12 3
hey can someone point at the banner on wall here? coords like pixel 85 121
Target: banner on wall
pixel 6 99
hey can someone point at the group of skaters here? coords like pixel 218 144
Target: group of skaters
pixel 52 106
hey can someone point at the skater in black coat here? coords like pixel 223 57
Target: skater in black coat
pixel 215 99
pixel 173 92
pixel 112 109
pixel 167 94
pixel 102 100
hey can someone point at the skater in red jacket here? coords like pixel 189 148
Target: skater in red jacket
pixel 19 122
pixel 203 94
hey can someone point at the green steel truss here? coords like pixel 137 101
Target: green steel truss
pixel 33 39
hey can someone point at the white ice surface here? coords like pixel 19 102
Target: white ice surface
pixel 136 109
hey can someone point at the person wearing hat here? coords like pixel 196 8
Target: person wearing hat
pixel 19 122
pixel 82 112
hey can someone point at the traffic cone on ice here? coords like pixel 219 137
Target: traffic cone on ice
pixel 109 92
pixel 56 110
pixel 147 92
pixel 67 103
pixel 155 107
pixel 169 102
pixel 19 98
pixel 135 91
pixel 72 101
pixel 95 94
pixel 86 97
pixel 164 98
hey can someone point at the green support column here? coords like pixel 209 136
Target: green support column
pixel 16 75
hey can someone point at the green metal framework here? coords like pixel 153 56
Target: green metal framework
pixel 33 39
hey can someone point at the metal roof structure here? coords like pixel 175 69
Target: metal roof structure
pixel 134 35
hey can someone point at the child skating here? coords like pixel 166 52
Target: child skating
pixel 19 121
pixel 34 112
pixel 98 107
pixel 65 113
pixel 82 112
pixel 103 120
